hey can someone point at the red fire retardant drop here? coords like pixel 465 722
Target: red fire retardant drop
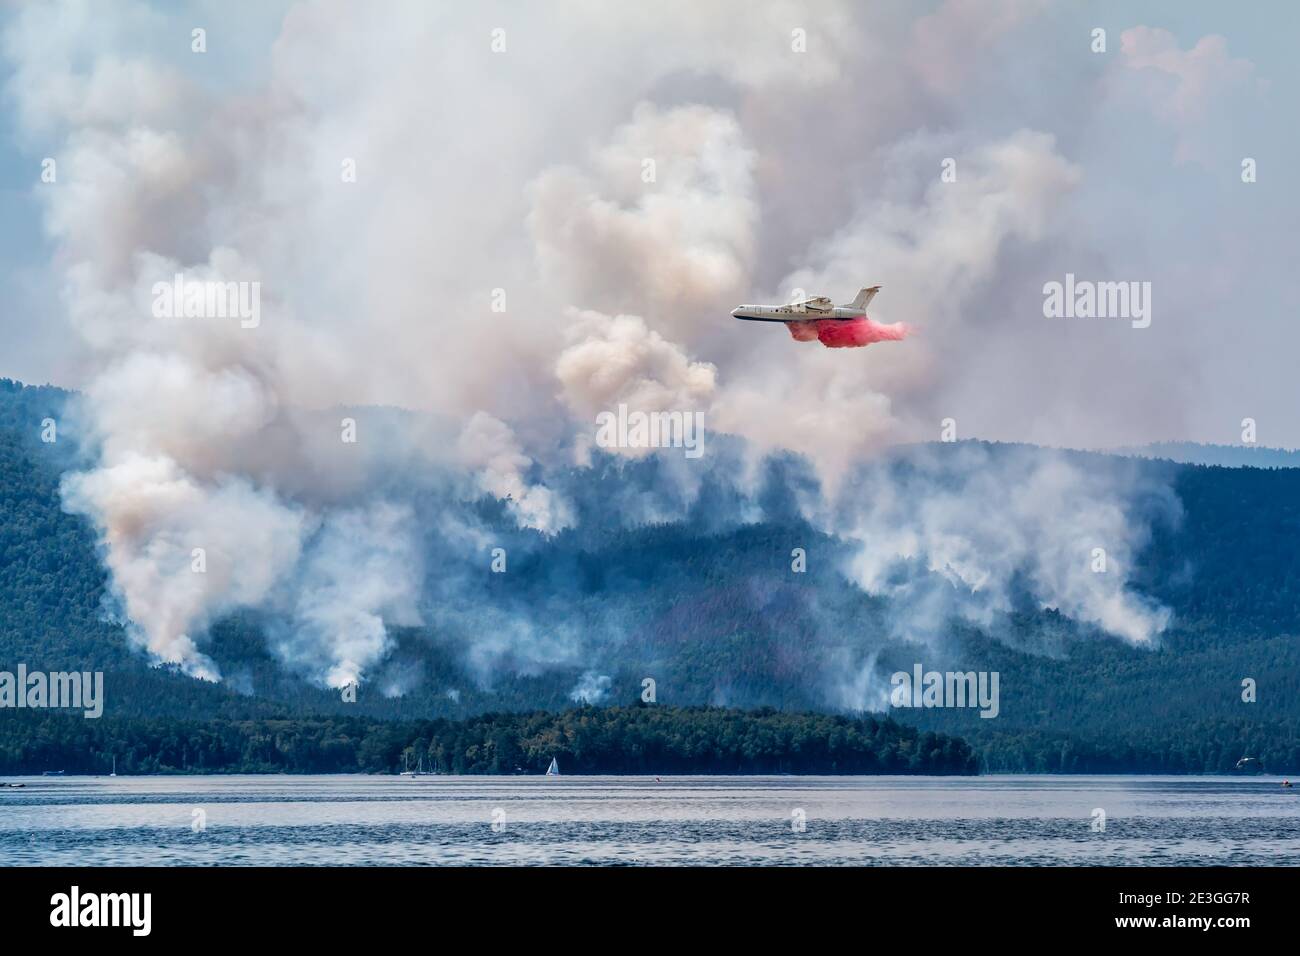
pixel 805 331
pixel 850 334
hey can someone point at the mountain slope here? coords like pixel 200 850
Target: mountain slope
pixel 716 616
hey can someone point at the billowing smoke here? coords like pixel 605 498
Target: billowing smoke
pixel 433 226
pixel 182 554
pixel 360 574
pixel 591 688
pixel 956 535
pixel 489 448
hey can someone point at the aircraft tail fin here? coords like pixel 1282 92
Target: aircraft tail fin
pixel 864 297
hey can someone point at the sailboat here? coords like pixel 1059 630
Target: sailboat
pixel 114 773
pixel 419 770
pixel 554 769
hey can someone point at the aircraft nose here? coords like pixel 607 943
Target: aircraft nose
pixel 735 313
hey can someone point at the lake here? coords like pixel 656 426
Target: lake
pixel 678 821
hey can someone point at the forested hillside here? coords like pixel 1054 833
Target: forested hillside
pixel 709 612
pixel 613 740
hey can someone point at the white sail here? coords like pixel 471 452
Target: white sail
pixel 554 769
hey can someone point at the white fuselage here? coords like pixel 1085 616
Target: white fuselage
pixel 795 313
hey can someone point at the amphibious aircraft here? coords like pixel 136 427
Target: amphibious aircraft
pixel 835 326
pixel 817 307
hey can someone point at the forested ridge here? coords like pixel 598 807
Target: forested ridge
pixel 713 614
pixel 637 739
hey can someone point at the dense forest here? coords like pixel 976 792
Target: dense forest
pixel 638 739
pixel 709 610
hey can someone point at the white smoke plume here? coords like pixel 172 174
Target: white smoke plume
pixel 951 538
pixel 620 360
pixel 361 573
pixel 489 449
pixel 591 688
pixel 682 240
pixel 153 517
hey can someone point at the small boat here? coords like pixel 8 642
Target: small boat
pixel 114 772
pixel 554 769
pixel 408 772
pixel 52 773
pixel 1287 784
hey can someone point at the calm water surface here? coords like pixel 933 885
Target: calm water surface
pixel 345 820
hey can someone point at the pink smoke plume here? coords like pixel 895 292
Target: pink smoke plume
pixel 850 334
